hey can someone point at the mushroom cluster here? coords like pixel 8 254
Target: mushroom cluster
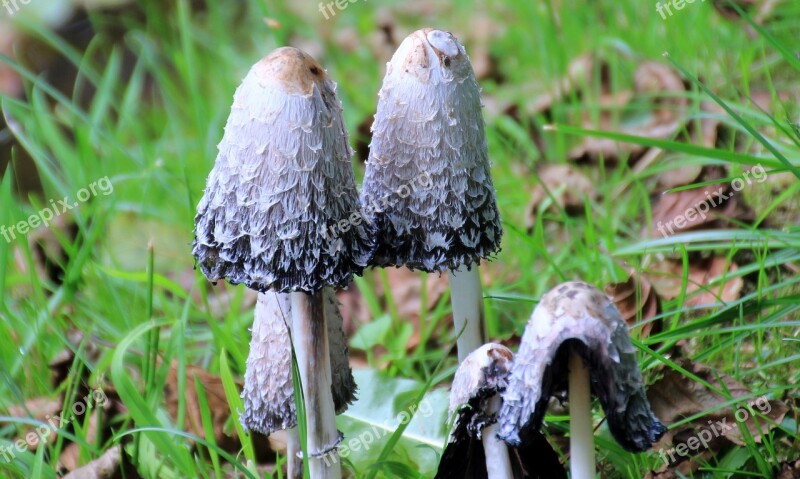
pixel 575 341
pixel 283 177
pixel 281 213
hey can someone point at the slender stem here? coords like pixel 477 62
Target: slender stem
pixel 310 336
pixel 581 445
pixel 467 298
pixel 294 465
pixel 498 464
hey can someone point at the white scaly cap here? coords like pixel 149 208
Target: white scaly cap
pixel 268 390
pixel 577 318
pixel 478 382
pixel 427 185
pixel 282 179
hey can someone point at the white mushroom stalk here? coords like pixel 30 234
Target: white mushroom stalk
pixel 282 179
pixel 576 339
pixel 269 403
pixel 428 186
pixel 474 450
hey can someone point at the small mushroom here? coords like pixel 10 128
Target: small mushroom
pixel 427 185
pixel 282 179
pixel 474 450
pixel 268 390
pixel 576 338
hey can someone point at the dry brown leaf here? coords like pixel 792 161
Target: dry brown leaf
pixel 667 276
pixel 353 308
pixel 675 397
pixel 568 186
pixel 483 30
pixel 790 470
pixel 651 79
pixel 704 132
pixel 215 394
pixel 217 405
pixel 685 210
pixel 504 102
pixel 104 467
pixel 681 175
pixel 637 301
pixel 10 81
pixel 71 454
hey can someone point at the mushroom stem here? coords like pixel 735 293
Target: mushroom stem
pixel 310 338
pixel 581 444
pixel 294 465
pixel 467 298
pixel 498 464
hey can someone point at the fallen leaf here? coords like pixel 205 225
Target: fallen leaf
pixel 354 309
pixel 545 96
pixel 790 470
pixel 219 409
pixel 656 83
pixel 684 210
pixel 637 302
pixel 675 397
pixel 483 31
pixel 666 276
pixel 565 184
pixel 103 467
pixel 10 81
pixel 215 394
pixel 70 456
pixel 681 175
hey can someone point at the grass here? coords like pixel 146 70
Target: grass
pixel 162 92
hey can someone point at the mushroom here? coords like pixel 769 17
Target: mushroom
pixel 577 332
pixel 427 185
pixel 268 393
pixel 475 397
pixel 282 178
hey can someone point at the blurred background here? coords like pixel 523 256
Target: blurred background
pixel 606 122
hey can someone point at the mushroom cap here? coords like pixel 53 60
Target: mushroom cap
pixel 268 390
pixel 477 382
pixel 577 318
pixel 282 179
pixel 427 184
pixel 480 377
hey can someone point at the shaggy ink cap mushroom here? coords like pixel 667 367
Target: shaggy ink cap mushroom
pixel 474 397
pixel 577 318
pixel 427 184
pixel 479 378
pixel 282 180
pixel 268 393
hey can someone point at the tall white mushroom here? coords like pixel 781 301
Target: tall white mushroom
pixel 474 450
pixel 577 340
pixel 269 403
pixel 429 126
pixel 282 178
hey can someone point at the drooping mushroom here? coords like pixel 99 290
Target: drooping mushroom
pixel 576 339
pixel 427 185
pixel 474 450
pixel 282 178
pixel 268 393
